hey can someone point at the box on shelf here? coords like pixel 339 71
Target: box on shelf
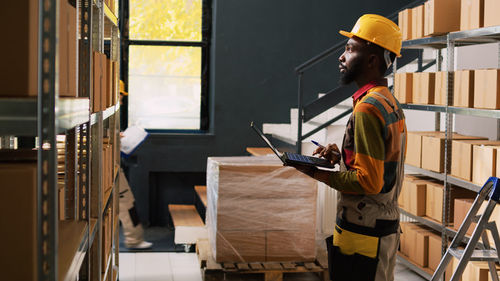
pixel 423 87
pixel 440 17
pixel 413 195
pixel 104 81
pixel 487 88
pixel 96 80
pixel 433 150
pixel 257 207
pixel 415 243
pixel 462 157
pixel 440 92
pixel 484 158
pixel 20 58
pixel 414 147
pixel 434 199
pixel 109 83
pixel 491 8
pixel 462 207
pixel 464 88
pixel 417 22
pixel 471 14
pixel 19 195
pixel 404 22
pixel 403 87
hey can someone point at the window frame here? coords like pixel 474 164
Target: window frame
pixel 204 44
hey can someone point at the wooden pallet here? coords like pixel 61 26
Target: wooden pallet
pixel 271 271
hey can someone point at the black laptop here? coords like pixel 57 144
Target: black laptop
pixel 289 158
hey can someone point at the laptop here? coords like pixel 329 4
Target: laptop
pixel 289 158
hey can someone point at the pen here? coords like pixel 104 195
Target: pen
pixel 316 143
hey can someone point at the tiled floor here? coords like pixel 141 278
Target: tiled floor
pixel 185 267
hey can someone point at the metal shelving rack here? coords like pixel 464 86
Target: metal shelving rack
pixel 69 249
pixel 448 42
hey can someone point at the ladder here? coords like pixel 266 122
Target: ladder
pixel 488 192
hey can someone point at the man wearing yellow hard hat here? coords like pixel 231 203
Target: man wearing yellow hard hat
pixel 366 234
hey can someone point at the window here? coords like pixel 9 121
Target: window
pixel 168 62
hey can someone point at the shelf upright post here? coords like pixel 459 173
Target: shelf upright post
pixel 84 159
pixel 437 115
pixel 448 135
pixel 47 149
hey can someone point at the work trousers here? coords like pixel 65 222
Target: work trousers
pixel 132 228
pixel 352 263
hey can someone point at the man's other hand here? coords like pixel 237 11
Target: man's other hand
pixel 331 153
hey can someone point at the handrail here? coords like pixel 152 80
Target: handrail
pixel 323 55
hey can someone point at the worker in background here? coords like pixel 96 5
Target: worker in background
pixel 131 225
pixel 366 234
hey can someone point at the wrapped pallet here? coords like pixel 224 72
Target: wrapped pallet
pixel 259 210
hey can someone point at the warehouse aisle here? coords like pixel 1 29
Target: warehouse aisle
pixel 185 267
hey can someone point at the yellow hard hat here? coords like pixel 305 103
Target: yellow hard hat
pixel 122 88
pixel 379 30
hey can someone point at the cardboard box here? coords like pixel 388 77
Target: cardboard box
pixel 109 82
pixel 18 204
pixel 434 199
pixel 417 22
pixel 404 22
pixel 491 8
pixel 462 207
pixel 417 197
pixel 421 256
pixel 487 88
pixel 471 14
pixel 464 88
pixel 433 150
pixel 258 195
pixel 104 81
pixel 403 87
pixel 20 58
pixel 414 147
pixel 435 243
pixel 440 17
pixel 115 83
pixel 485 161
pixel 68 54
pixel 96 82
pixel 462 157
pixel 441 90
pixel 423 87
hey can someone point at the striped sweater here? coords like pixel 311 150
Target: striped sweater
pixel 372 143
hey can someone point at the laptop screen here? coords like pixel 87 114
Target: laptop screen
pixel 266 140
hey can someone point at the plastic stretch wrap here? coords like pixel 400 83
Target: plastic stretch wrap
pixel 259 210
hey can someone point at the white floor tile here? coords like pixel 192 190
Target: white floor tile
pixel 153 267
pixel 127 267
pixel 185 267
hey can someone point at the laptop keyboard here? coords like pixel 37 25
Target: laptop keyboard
pixel 302 158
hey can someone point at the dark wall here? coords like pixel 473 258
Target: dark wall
pixel 255 47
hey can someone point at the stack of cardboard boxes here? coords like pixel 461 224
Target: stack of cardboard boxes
pixel 427 149
pixel 422 196
pixel 472 88
pixel 259 210
pixel 437 17
pixel 105 82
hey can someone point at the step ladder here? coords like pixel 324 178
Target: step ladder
pixel 475 251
